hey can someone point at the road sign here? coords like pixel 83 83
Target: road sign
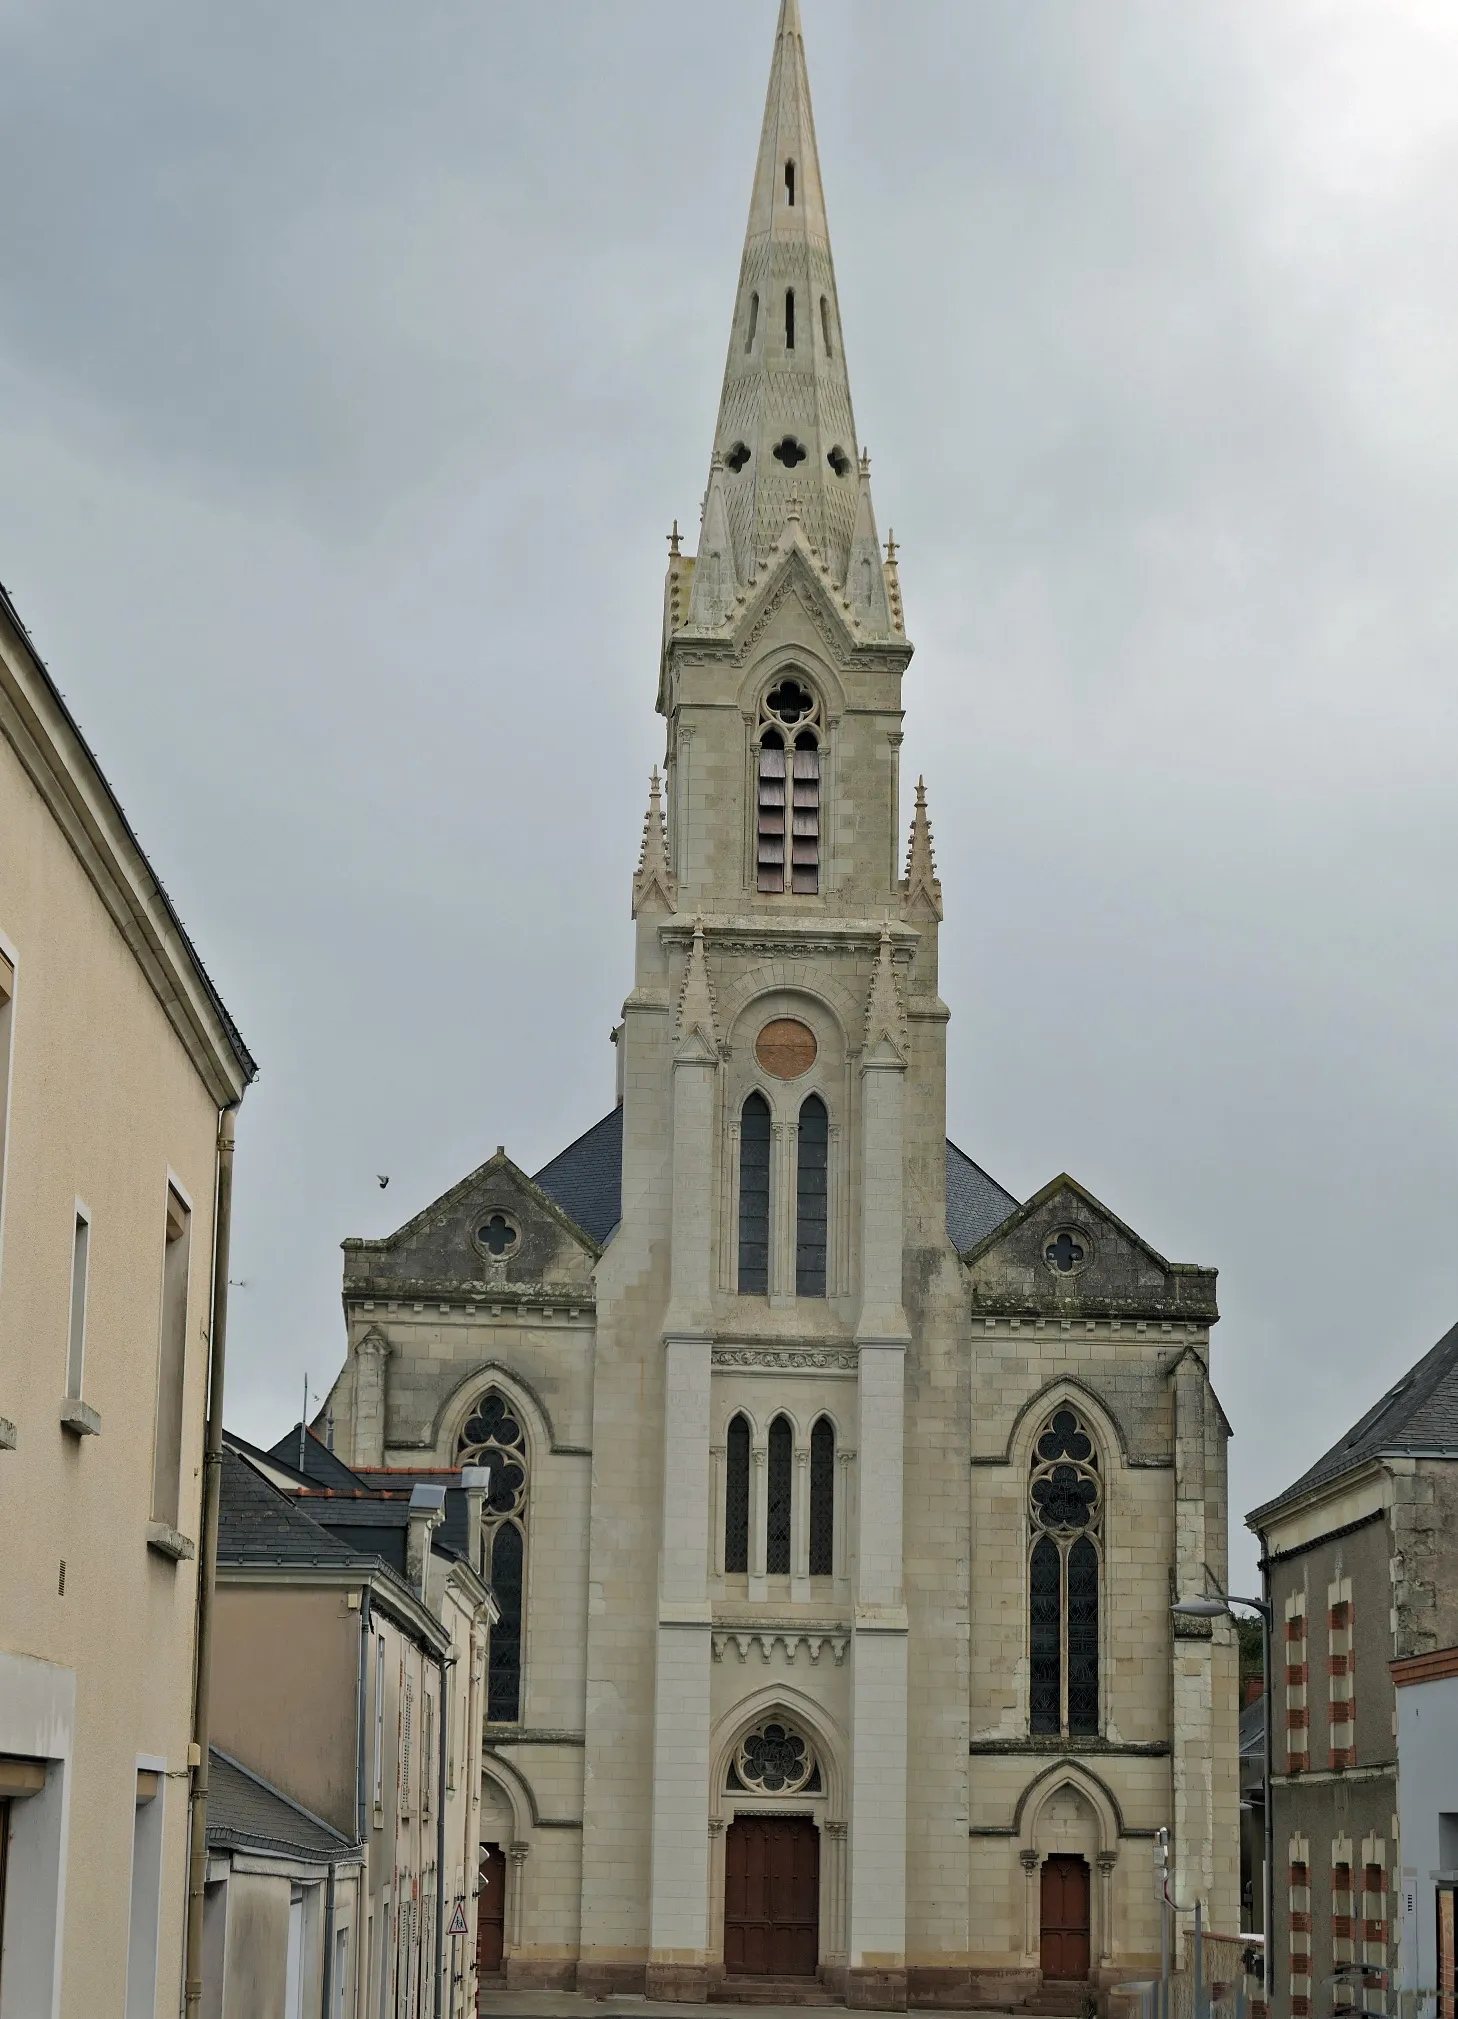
pixel 458 1920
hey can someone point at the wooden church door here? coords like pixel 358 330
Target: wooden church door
pixel 771 1897
pixel 491 1911
pixel 1065 1943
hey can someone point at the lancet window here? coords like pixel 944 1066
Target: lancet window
pixel 822 1499
pixel 779 1512
pixel 1065 1513
pixel 493 1436
pixel 813 1151
pixel 754 1196
pixel 788 801
pixel 736 1497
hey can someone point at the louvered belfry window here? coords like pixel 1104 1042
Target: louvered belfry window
pixel 1065 1509
pixel 787 851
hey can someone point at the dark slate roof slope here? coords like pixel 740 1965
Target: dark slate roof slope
pixel 259 1525
pixel 1416 1418
pixel 320 1465
pixel 247 1813
pixel 586 1181
pixel 975 1203
pixel 1253 1730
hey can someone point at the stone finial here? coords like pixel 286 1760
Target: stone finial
pixel 675 542
pixel 893 585
pixel 655 887
pixel 885 1009
pixel 697 1032
pixel 920 887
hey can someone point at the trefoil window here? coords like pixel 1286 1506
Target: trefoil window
pixel 1065 1511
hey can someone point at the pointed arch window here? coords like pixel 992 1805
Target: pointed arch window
pixel 493 1436
pixel 1065 1510
pixel 789 318
pixel 779 1509
pixel 811 1170
pixel 736 1497
pixel 754 1196
pixel 791 728
pixel 790 183
pixel 822 1499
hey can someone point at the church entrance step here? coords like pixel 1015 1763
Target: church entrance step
pixel 1058 2001
pixel 771 1991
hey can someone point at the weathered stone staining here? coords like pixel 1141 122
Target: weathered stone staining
pixel 810 1519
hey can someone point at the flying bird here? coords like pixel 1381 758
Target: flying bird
pixel 383 1181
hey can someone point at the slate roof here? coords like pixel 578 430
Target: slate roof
pixel 586 1181
pixel 259 1525
pixel 1416 1418
pixel 1253 1730
pixel 320 1464
pixel 975 1203
pixel 247 1813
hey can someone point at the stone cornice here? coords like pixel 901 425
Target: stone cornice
pixel 576 1301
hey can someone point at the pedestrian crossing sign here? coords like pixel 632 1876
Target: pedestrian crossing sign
pixel 458 1920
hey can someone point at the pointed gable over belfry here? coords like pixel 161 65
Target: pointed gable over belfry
pixel 785 425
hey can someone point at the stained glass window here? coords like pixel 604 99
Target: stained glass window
pixel 736 1497
pixel 781 1478
pixel 503 1685
pixel 822 1499
pixel 810 1199
pixel 1065 1510
pixel 754 1197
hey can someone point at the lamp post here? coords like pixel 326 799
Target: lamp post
pixel 1220 1608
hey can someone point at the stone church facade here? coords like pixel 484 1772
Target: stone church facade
pixel 838 1498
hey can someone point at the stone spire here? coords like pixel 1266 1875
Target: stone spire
pixel 885 1008
pixel 920 886
pixel 785 419
pixel 654 886
pixel 698 1039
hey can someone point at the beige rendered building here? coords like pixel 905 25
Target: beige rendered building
pixel 117 1061
pixel 838 1499
pixel 348 1674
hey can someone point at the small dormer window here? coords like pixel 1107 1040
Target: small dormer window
pixel 787 854
pixel 790 184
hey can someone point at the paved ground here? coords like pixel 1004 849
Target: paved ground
pixel 570 2005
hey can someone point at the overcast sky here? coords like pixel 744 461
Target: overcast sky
pixel 354 361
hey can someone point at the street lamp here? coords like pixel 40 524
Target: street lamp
pixel 1219 1608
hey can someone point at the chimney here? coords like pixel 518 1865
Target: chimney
pixel 475 1484
pixel 427 1511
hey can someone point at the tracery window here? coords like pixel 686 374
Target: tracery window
pixel 493 1436
pixel 736 1497
pixel 754 1196
pixel 775 1759
pixel 788 809
pixel 779 1510
pixel 810 1198
pixel 1065 1512
pixel 822 1499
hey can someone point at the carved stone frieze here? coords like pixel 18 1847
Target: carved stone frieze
pixel 788 1359
pixel 792 1639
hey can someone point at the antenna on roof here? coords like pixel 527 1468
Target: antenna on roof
pixel 303 1421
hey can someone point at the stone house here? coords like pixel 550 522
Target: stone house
pixel 1359 1557
pixel 120 1071
pixel 348 1672
pixel 838 1497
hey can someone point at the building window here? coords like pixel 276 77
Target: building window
pixel 171 1364
pixel 788 838
pixel 1065 1505
pixel 753 322
pixel 822 1499
pixel 736 1498
pixel 790 183
pixel 810 1198
pixel 754 1196
pixel 779 1508
pixel 825 333
pixel 1340 1666
pixel 789 318
pixel 493 1436
pixel 80 1274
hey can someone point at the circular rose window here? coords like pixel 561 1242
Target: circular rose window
pixel 786 1048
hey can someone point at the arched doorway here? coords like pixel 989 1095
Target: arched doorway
pixel 491 1912
pixel 1065 1918
pixel 772 1897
